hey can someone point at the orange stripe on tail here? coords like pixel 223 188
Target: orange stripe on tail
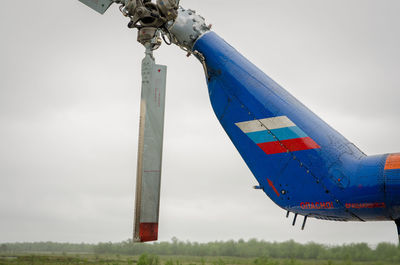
pixel 392 162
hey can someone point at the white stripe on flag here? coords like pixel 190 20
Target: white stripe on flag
pixel 263 124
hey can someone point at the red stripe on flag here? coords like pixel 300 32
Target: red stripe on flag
pixel 297 144
pixel 148 232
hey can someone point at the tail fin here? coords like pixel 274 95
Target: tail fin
pixel 296 157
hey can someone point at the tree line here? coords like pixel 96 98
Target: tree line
pixel 252 248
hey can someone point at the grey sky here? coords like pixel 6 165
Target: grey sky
pixel 69 107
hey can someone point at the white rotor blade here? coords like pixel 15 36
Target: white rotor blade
pixel 100 6
pixel 151 131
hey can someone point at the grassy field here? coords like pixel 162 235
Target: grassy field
pixel 82 259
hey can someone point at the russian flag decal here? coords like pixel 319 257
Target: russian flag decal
pixel 277 135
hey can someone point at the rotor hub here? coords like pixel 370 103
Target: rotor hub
pixel 145 13
pixel 163 19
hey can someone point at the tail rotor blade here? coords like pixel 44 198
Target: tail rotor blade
pixel 100 6
pixel 150 150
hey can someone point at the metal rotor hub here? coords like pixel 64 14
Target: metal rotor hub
pixel 187 28
pixel 149 17
pixel 148 11
pixel 163 19
pixel 149 36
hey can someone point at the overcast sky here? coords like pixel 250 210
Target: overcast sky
pixel 69 108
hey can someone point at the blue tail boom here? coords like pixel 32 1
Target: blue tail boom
pixel 301 163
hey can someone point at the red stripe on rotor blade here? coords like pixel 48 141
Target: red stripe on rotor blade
pixel 148 232
pixel 292 145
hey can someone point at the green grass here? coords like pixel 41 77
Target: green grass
pixel 83 259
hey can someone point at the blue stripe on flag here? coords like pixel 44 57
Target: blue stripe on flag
pixel 286 133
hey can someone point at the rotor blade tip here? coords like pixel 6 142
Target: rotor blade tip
pixel 148 232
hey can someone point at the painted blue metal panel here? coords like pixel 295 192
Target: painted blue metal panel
pixel 392 190
pixel 336 181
